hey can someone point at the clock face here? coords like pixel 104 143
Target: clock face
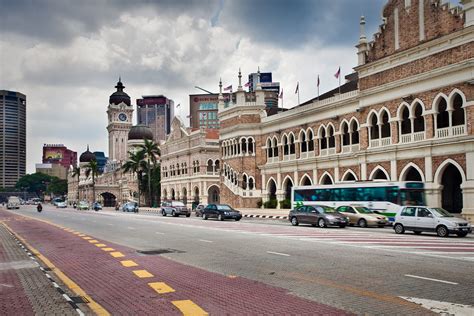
pixel 122 117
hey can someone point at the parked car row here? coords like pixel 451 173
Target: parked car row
pixel 218 211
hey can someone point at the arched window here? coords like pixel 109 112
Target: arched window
pixel 178 171
pixel 419 121
pixel 269 149
pixel 385 125
pixel 458 111
pixel 345 135
pixel 323 142
pixel 292 144
pixel 442 118
pixel 354 129
pixel 275 147
pixel 286 147
pixel 374 128
pixel 251 183
pixel 209 166
pixel 250 146
pixel 331 138
pixel 217 166
pixel 244 182
pixel 310 141
pixel 379 175
pixel 244 145
pixel 303 144
pixel 406 123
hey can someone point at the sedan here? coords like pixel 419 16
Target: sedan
pixel 362 216
pixel 130 207
pixel 83 205
pixel 174 208
pixel 96 206
pixel 61 205
pixel 320 215
pixel 221 212
pixel 198 209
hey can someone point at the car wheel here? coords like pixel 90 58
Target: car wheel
pixel 417 232
pixel 442 231
pixel 322 223
pixel 163 213
pixel 187 215
pixel 399 229
pixel 342 226
pixel 294 221
pixel 362 223
pixel 462 234
pixel 220 218
pixel 237 219
pixel 204 216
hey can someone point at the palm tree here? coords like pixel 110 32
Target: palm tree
pixel 92 169
pixel 136 164
pixel 151 151
pixel 76 172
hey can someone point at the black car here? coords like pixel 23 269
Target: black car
pixel 221 212
pixel 319 215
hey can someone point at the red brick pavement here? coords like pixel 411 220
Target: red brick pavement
pixel 119 291
pixel 13 299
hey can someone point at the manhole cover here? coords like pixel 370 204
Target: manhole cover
pixel 159 251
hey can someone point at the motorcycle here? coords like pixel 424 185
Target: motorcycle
pixel 39 208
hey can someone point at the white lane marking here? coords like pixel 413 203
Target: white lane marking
pixel 131 227
pixel 204 240
pixel 278 253
pixel 443 308
pixel 430 279
pixel 453 247
pixel 110 224
pixel 159 233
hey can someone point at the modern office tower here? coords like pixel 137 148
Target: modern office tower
pixel 203 110
pixel 12 137
pixel 272 89
pixel 157 112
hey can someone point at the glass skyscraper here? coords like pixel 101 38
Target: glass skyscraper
pixel 12 137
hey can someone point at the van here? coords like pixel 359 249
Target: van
pixel 13 202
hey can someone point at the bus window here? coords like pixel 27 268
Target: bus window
pixel 412 197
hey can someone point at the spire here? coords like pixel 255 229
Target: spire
pixel 87 147
pixel 362 37
pixel 120 85
pixel 220 85
pixel 240 81
pixel 259 85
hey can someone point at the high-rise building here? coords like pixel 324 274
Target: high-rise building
pixel 157 112
pixel 12 137
pixel 272 89
pixel 203 110
pixel 59 154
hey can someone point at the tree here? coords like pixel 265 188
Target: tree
pixel 151 151
pixel 92 168
pixel 57 186
pixel 35 183
pixel 76 172
pixel 136 164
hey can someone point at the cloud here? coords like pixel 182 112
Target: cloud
pixel 67 60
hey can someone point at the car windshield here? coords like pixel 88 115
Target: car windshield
pixel 327 209
pixel 224 207
pixel 177 203
pixel 364 210
pixel 440 212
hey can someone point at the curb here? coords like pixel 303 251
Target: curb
pixel 266 216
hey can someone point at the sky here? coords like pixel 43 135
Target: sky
pixel 66 55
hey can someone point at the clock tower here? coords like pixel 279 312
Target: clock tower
pixel 119 114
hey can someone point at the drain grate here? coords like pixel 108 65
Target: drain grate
pixel 159 251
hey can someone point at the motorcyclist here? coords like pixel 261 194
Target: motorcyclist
pixel 39 207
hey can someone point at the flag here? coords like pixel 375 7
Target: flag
pixel 247 84
pixel 338 73
pixel 281 94
pixel 297 87
pixel 178 105
pixel 228 88
pixel 318 81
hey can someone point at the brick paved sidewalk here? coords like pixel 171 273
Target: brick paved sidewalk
pixel 24 287
pixel 123 281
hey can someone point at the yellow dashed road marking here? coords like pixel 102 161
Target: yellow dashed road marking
pixel 87 238
pixel 161 287
pixel 108 249
pixel 78 233
pixel 188 307
pixel 128 263
pixel 143 273
pixel 100 245
pixel 93 241
pixel 81 235
pixel 116 254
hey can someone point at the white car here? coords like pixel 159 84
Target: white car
pixel 61 204
pixel 430 219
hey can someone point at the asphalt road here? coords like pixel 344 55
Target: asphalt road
pixel 365 271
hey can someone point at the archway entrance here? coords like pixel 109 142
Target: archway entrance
pixel 451 196
pixel 109 199
pixel 213 195
pixel 272 190
pixel 413 175
pixel 287 187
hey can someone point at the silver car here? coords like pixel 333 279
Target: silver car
pixel 430 219
pixel 174 208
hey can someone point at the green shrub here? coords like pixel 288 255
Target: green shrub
pixel 259 203
pixel 285 204
pixel 270 203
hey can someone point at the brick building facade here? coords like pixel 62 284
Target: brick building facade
pixel 409 116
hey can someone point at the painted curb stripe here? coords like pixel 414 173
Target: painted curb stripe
pixel 161 287
pixel 128 263
pixel 189 308
pixel 117 254
pixel 143 274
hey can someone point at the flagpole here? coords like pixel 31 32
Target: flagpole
pixel 339 80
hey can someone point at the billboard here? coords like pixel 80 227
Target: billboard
pixel 53 155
